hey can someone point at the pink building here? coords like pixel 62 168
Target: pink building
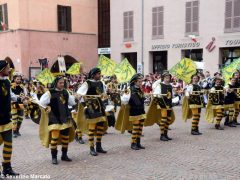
pixel 33 29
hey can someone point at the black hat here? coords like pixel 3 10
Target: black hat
pixel 135 78
pixel 3 65
pixel 166 73
pixel 93 72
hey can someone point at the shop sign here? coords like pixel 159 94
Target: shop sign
pixel 176 46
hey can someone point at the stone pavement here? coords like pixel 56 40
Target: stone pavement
pixel 214 155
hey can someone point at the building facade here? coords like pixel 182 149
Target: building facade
pixel 156 34
pixel 32 30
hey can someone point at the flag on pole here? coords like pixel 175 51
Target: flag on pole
pixel 230 69
pixel 124 71
pixel 184 69
pixel 45 77
pixel 61 64
pixel 74 69
pixel 106 65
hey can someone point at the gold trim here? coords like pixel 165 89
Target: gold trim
pixel 139 117
pixel 226 106
pixel 195 106
pixel 6 127
pixel 59 126
pixel 96 120
pixel 237 103
pixel 217 106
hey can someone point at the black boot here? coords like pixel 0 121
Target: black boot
pixel 18 128
pixel 15 134
pixel 235 122
pixel 92 151
pixel 65 156
pixel 80 140
pixel 166 135
pixel 195 132
pixel 218 127
pixel 7 170
pixel 163 138
pixel 54 156
pixel 134 146
pixel 139 144
pixel 226 121
pixel 99 148
pixel 230 124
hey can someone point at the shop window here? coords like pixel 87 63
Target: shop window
pixel 194 54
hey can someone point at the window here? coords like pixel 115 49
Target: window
pixel 157 22
pixel 128 26
pixel 232 16
pixel 64 18
pixel 192 17
pixel 104 23
pixel 3 17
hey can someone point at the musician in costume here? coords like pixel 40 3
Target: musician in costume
pixel 215 106
pixel 229 102
pixel 59 125
pixel 160 110
pixel 236 75
pixel 17 109
pixel 94 109
pixel 192 104
pixel 5 120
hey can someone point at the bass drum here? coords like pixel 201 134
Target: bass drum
pixel 35 113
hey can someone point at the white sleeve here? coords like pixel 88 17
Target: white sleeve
pixel 155 84
pixel 71 100
pixel 14 97
pixel 157 89
pixel 45 99
pixel 83 89
pixel 125 98
pixel 189 90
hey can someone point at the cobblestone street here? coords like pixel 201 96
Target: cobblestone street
pixel 214 155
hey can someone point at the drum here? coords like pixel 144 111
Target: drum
pixel 116 99
pixel 35 113
pixel 110 115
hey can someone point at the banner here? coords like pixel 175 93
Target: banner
pixel 184 70
pixel 45 77
pixel 230 69
pixel 74 69
pixel 61 64
pixel 124 71
pixel 106 65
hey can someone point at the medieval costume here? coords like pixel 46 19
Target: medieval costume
pixel 17 109
pixel 59 126
pixel 160 110
pixel 91 90
pixel 215 106
pixel 236 75
pixel 192 104
pixel 5 120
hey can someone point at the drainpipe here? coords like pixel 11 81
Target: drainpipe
pixel 142 36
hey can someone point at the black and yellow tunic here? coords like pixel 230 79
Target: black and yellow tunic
pixel 230 97
pixel 195 97
pixel 5 105
pixel 165 102
pixel 216 96
pixel 136 103
pixel 17 89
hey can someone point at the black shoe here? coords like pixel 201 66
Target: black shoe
pixel 65 156
pixel 18 133
pixel 134 146
pixel 218 127
pixel 54 156
pixel 195 132
pixel 163 138
pixel 93 152
pixel 15 134
pixel 139 144
pixel 231 124
pixel 8 171
pixel 226 123
pixel 236 123
pixel 99 148
pixel 80 140
pixel 166 135
pixel 27 117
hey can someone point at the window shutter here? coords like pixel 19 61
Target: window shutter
pixel 228 14
pixel 131 25
pixel 125 25
pixel 236 14
pixel 195 17
pixel 154 22
pixel 69 19
pixel 1 16
pixel 188 17
pixel 5 14
pixel 59 14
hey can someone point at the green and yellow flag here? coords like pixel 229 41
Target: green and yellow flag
pixel 230 69
pixel 45 77
pixel 74 69
pixel 124 71
pixel 106 65
pixel 184 70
